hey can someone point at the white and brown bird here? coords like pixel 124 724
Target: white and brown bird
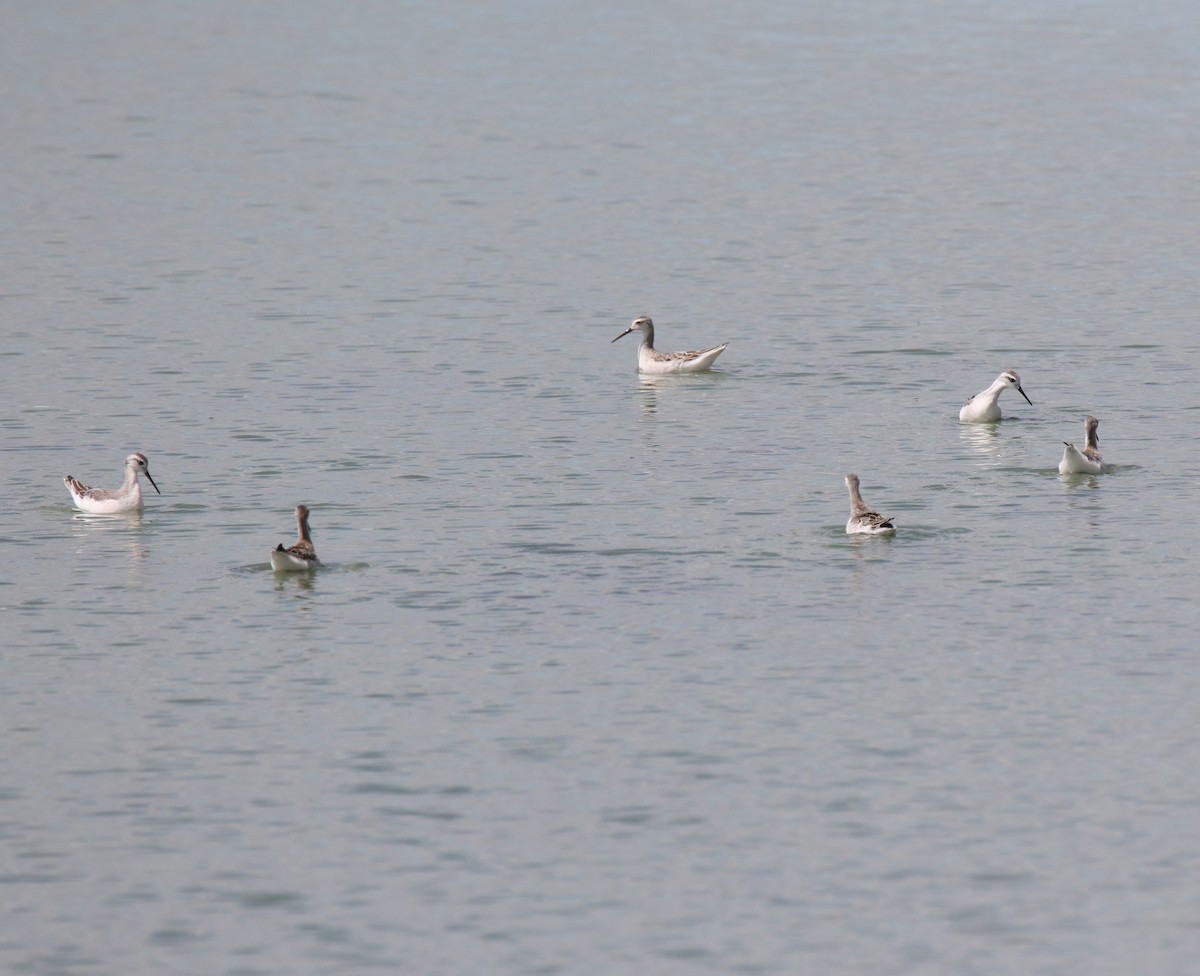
pixel 1087 461
pixel 863 519
pixel 300 556
pixel 650 360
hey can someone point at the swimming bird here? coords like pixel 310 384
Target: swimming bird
pixel 1087 461
pixel 982 408
pixel 102 501
pixel 863 519
pixel 300 556
pixel 650 360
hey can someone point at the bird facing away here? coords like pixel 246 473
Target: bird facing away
pixel 862 518
pixel 300 556
pixel 102 501
pixel 650 360
pixel 1087 461
pixel 982 408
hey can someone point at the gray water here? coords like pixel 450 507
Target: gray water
pixel 593 681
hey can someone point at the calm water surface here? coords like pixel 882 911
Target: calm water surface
pixel 593 681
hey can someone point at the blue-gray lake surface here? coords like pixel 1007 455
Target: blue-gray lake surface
pixel 592 680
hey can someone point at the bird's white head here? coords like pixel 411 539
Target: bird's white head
pixel 643 324
pixel 1010 378
pixel 137 461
